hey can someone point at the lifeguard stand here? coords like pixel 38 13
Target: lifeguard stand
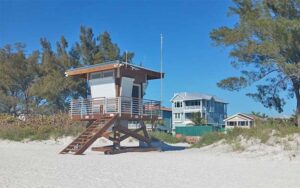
pixel 116 97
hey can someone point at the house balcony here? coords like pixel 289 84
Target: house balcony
pixel 127 107
pixel 192 108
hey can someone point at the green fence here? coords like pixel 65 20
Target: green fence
pixel 194 130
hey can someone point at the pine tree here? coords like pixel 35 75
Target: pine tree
pixel 93 50
pixel 265 45
pixel 53 86
pixel 17 74
pixel 36 83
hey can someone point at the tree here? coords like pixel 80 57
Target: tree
pixel 97 50
pixel 36 83
pixel 17 74
pixel 197 119
pixel 265 45
pixel 260 115
pixel 52 86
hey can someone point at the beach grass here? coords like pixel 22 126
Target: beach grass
pixel 209 138
pixel 262 132
pixel 162 136
pixel 38 127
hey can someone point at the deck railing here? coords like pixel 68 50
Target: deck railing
pixel 192 107
pixel 116 105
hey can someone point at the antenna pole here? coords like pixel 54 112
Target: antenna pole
pixel 126 58
pixel 161 68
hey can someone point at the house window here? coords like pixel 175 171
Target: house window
pixel 231 123
pixel 192 103
pixel 103 74
pixel 242 123
pixel 96 75
pixel 108 74
pixel 178 104
pixel 177 115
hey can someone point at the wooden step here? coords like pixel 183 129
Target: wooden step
pixel 95 130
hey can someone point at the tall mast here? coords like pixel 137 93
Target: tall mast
pixel 161 68
pixel 126 58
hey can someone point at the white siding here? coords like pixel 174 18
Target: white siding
pixel 103 87
pixel 126 87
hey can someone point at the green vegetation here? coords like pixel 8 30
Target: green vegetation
pixel 209 138
pixel 38 127
pixel 35 82
pixel 264 45
pixel 262 131
pixel 259 115
pixel 197 119
pixel 166 137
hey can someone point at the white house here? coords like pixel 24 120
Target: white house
pixel 212 109
pixel 239 120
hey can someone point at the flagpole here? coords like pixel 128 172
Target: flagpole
pixel 161 68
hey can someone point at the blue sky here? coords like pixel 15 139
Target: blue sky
pixel 191 62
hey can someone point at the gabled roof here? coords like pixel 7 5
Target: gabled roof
pixel 196 96
pixel 110 65
pixel 250 117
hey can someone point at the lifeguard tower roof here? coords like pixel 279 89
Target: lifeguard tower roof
pixel 113 65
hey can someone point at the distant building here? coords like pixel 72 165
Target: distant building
pixel 239 120
pixel 212 109
pixel 167 120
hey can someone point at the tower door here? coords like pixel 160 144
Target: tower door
pixel 136 91
pixel 126 87
pixel 136 99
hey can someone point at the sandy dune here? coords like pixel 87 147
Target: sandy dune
pixel 38 164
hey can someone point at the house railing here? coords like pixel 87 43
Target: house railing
pixel 203 108
pixel 192 107
pixel 116 105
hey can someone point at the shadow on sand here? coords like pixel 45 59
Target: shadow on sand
pixel 164 146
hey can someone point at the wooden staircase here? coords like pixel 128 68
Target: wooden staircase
pixel 95 130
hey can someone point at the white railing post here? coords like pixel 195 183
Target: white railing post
pixel 131 106
pixel 151 110
pixel 81 104
pixel 91 106
pixel 71 109
pixel 140 106
pixel 105 106
pixel 119 106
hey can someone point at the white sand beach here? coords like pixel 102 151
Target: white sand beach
pixel 38 164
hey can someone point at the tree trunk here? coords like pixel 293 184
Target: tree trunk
pixel 297 94
pixel 298 112
pixel 26 104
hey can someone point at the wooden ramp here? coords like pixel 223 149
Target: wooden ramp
pixel 96 128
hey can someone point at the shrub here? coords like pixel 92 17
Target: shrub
pixel 262 131
pixel 166 137
pixel 258 132
pixel 38 127
pixel 209 138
